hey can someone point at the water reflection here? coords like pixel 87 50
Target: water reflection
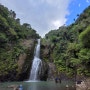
pixel 32 86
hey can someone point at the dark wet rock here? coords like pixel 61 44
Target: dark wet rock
pixel 43 73
pixel 51 71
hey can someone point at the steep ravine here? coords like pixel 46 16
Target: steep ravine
pixel 25 62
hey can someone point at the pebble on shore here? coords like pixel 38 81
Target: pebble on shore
pixel 67 86
pixel 15 87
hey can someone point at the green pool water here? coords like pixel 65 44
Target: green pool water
pixel 40 85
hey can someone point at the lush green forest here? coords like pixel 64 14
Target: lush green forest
pixel 12 35
pixel 69 46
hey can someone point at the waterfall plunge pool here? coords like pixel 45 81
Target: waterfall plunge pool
pixel 40 85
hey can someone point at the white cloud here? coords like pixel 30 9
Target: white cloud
pixel 43 15
pixel 87 1
pixel 58 23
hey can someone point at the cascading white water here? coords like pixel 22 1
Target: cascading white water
pixel 36 63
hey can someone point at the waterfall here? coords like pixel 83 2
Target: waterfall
pixel 36 63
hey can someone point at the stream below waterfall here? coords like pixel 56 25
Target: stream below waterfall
pixel 39 85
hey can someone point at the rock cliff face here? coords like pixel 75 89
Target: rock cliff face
pixel 47 59
pixel 25 60
pixel 22 63
pixel 47 69
pixel 43 71
pixel 51 71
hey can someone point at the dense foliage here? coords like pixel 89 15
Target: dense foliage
pixel 69 46
pixel 12 33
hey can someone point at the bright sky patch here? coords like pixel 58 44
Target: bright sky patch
pixel 46 15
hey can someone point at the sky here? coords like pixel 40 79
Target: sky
pixel 46 15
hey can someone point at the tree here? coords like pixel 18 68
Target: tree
pixel 12 14
pixel 84 37
pixel 27 25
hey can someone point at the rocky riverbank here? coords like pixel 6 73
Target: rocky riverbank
pixel 85 85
